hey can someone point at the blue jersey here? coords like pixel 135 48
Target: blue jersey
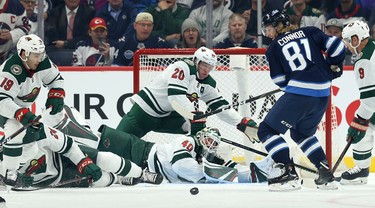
pixel 297 64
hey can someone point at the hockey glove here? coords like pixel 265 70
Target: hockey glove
pixel 250 128
pixel 55 100
pixel 86 167
pixel 24 116
pixel 197 125
pixel 357 129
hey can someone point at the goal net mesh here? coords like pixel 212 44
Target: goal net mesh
pixel 240 74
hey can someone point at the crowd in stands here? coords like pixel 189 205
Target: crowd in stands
pixel 108 32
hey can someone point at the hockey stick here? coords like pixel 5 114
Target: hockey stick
pixel 62 183
pixel 36 120
pixel 263 154
pixel 342 155
pixel 189 115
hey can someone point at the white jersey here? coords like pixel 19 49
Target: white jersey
pixel 176 161
pixel 365 77
pixel 88 55
pixel 12 18
pixel 179 82
pixel 46 164
pixel 19 87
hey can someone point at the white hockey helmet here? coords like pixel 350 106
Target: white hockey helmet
pixel 210 139
pixel 358 28
pixel 206 55
pixel 30 44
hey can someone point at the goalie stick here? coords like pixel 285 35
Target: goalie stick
pixel 4 141
pixel 189 115
pixel 62 183
pixel 263 154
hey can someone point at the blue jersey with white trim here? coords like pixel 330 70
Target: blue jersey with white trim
pixel 297 64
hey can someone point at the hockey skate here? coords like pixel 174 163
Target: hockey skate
pixel 149 177
pixel 283 177
pixel 260 170
pixel 326 180
pixel 146 177
pixel 355 176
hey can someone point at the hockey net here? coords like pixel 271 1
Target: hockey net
pixel 241 73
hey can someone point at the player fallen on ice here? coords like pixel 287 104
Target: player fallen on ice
pixel 299 68
pixel 190 159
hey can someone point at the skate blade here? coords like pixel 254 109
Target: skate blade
pixel 328 186
pixel 288 186
pixel 357 181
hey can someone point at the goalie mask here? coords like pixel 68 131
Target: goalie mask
pixel 210 139
pixel 357 28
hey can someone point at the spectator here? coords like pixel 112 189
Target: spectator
pixel 140 5
pixel 300 8
pixel 29 6
pixel 95 51
pixel 220 20
pixel 119 16
pixel 239 6
pixel 187 3
pixel 251 16
pixel 348 9
pixel 141 38
pixel 67 24
pixel 168 17
pixel 13 25
pixel 334 27
pixel 190 35
pixel 307 15
pixel 237 34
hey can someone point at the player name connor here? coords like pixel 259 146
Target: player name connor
pixel 291 36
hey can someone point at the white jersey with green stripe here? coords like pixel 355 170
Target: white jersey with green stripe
pixel 176 161
pixel 364 70
pixel 179 82
pixel 19 87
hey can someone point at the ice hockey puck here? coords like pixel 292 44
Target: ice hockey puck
pixel 2 199
pixel 194 191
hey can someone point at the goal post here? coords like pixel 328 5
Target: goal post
pixel 241 73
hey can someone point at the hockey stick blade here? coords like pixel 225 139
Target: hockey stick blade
pixel 36 120
pixel 189 115
pixel 62 183
pixel 264 154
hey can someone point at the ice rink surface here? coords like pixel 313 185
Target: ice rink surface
pixel 178 196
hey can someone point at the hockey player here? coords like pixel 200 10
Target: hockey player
pixel 298 67
pixel 186 159
pixel 356 37
pixel 181 83
pixel 21 78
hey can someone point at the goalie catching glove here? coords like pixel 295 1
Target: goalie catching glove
pixel 357 129
pixel 55 100
pixel 87 167
pixel 250 128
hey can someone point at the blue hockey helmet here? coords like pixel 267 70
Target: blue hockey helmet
pixel 274 17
